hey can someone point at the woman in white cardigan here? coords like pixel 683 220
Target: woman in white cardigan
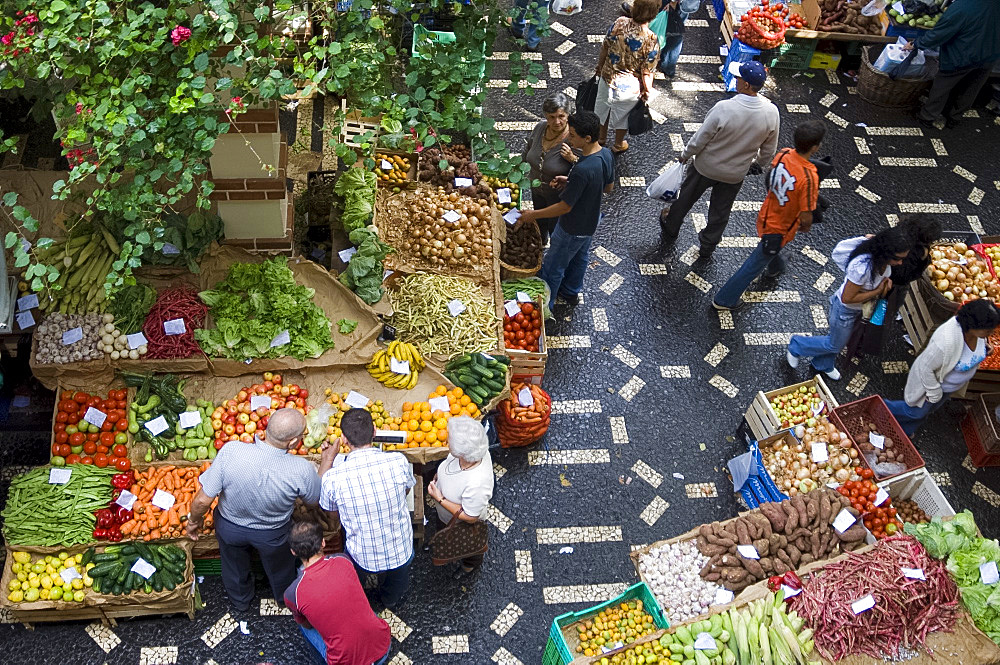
pixel 947 363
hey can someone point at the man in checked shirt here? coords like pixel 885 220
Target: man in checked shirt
pixel 369 491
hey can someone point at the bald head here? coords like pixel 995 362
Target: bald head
pixel 284 426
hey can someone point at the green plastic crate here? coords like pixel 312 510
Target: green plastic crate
pixel 557 652
pixel 793 54
pixel 421 33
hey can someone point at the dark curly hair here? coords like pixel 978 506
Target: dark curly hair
pixel 882 247
pixel 978 315
pixel 921 229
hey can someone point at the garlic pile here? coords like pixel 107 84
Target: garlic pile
pixel 959 274
pixel 56 333
pixel 673 572
pixel 114 343
pixel 792 468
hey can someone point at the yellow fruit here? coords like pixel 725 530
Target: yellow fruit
pixel 79 557
pixel 31 595
pixel 22 576
pixel 63 556
pixel 22 557
pixel 46 582
pixel 77 583
pixel 34 582
pixel 43 594
pixel 77 596
pixel 15 568
pixel 13 585
pixel 15 596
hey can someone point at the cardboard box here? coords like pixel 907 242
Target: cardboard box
pixel 825 60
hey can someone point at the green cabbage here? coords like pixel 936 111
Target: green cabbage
pixel 942 538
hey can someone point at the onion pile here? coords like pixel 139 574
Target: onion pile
pixel 49 337
pixel 115 343
pixel 434 241
pixel 959 274
pixel 792 467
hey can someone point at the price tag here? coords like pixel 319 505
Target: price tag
pixel 789 591
pixel 281 339
pixel 70 574
pixel 704 642
pixel 511 308
pixel 95 417
pixel 346 254
pixel 20 401
pixel 988 573
pixel 898 6
pixel 523 297
pixel 386 273
pixel 723 597
pixel 399 367
pixel 143 568
pixel 451 216
pixel 190 419
pixel 503 195
pixel 72 336
pixel 456 307
pixel 512 215
pixel 880 497
pixel 136 340
pixel 820 453
pixel 463 182
pixel 356 400
pixel 318 254
pixel 818 409
pixel 845 520
pixel 914 573
pixel 157 425
pixel 174 327
pixel 876 440
pixel 863 604
pixel 257 401
pixel 608 648
pixel 29 301
pixel 25 320
pixel 169 250
pixel 439 404
pixel 163 500
pixel 386 166
pixel 59 475
pixel 525 398
pixel 748 551
pixel 487 357
pixel 724 51
pixel 126 500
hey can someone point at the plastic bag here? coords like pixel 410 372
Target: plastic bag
pixel 893 55
pixel 874 8
pixel 742 467
pixel 586 94
pixel 668 184
pixel 567 7
pixel 883 469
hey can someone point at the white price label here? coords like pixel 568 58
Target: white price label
pixel 988 573
pixel 511 216
pixel 346 254
pixel 59 475
pixel 845 520
pixel 169 250
pixel 523 297
pixel 704 642
pixel 126 500
pixel 174 327
pixel 723 597
pixel 386 273
pixel 163 500
pixel 463 182
pixel 488 357
pixel 820 453
pixel 748 551
pixel 456 307
pixel 70 574
pixel 143 568
pixel 451 216
pixel 29 301
pixel 20 401
pixel 281 339
pixel 95 417
pixel 356 400
pixel 525 398
pixel 157 425
pixel 399 367
pixel 72 336
pixel 386 166
pixel 789 591
pixel 880 497
pixel 190 419
pixel 914 573
pixel 25 320
pixel 724 51
pixel 511 308
pixel 898 6
pixel 439 404
pixel 257 401
pixel 136 340
pixel 876 440
pixel 863 604
pixel 503 195
pixel 818 409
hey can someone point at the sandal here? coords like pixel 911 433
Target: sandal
pixel 619 149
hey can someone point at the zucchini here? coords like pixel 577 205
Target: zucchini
pixel 107 568
pixel 105 557
pixel 88 556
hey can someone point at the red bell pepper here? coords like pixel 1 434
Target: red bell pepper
pixel 101 534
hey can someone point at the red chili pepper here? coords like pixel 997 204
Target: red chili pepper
pixel 790 579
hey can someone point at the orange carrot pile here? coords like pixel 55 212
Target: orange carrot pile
pixel 519 425
pixel 152 523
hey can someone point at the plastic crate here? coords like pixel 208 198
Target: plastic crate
pixel 420 33
pixel 977 453
pixel 848 419
pixel 825 60
pixel 984 420
pixel 720 8
pixel 918 486
pixel 559 652
pixel 896 30
pixel 738 52
pixel 795 53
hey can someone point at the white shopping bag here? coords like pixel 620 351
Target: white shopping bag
pixel 667 184
pixel 893 55
pixel 567 7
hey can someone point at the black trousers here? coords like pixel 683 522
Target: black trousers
pixel 543 197
pixel 719 206
pixel 953 93
pixel 235 544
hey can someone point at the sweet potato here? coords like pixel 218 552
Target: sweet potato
pixel 780 567
pixel 767 563
pixel 753 566
pixel 762 523
pixel 825 508
pixel 730 561
pixel 775 515
pixel 777 542
pixel 792 516
pixel 782 555
pixel 812 507
pixel 799 502
pixel 794 554
pixel 742 533
pixel 733 576
pixel 713 576
pixel 854 534
pixel 814 546
pixel 710 550
pixel 806 558
pixel 763 546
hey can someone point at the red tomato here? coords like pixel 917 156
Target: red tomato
pixel 507 326
pixel 119 451
pixel 100 460
pixel 92 436
pixel 87 460
pixel 526 308
pixel 62 450
pixel 68 405
pixel 81 397
pixel 72 459
pixel 519 318
pixel 107 425
pixel 62 417
pixel 66 394
pixel 102 449
pixel 62 437
pixel 77 439
pixel 90 447
pixel 122 425
pixel 73 418
pixel 107 438
pixel 59 427
pixel 123 464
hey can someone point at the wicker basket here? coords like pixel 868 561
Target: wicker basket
pixel 508 271
pixel 877 88
pixel 850 418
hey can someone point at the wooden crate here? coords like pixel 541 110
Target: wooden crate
pixel 411 174
pixel 917 319
pixel 530 364
pixel 764 422
pixel 356 125
pixel 726 27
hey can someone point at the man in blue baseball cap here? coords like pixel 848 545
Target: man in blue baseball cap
pixel 737 133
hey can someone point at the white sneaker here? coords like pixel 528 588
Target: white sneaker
pixel 792 360
pixel 833 374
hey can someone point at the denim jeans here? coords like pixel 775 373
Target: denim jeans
pixel 824 350
pixel 565 263
pixel 526 26
pixel 316 640
pixel 910 418
pixel 670 54
pixel 756 263
pixel 392 584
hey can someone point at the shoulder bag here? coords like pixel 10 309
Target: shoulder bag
pixel 639 119
pixel 586 94
pixel 459 540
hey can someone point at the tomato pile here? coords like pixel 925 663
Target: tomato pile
pixel 763 26
pixel 880 520
pixel 235 420
pixel 76 441
pixel 523 330
pixel 795 21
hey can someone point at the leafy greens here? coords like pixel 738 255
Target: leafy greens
pixel 365 271
pixel 357 188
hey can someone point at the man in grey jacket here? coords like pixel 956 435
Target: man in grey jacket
pixel 737 133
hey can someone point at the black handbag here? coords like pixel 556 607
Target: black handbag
pixel 459 540
pixel 586 94
pixel 639 119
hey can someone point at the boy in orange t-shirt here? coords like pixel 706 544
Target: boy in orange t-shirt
pixel 792 191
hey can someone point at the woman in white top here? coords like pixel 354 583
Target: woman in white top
pixel 868 267
pixel 463 485
pixel 946 364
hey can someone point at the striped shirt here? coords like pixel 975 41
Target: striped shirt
pixel 369 489
pixel 259 483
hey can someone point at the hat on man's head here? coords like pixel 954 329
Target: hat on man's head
pixel 752 72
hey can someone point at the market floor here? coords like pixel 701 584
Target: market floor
pixel 648 382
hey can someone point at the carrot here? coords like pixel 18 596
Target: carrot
pixel 154 534
pixel 168 482
pixel 172 518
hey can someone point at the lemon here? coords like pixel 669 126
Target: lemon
pixel 50 569
pixel 49 558
pixel 34 582
pixel 90 565
pixel 16 596
pixel 78 558
pixel 31 595
pixel 68 595
pixel 63 556
pixel 77 583
pixel 46 582
pixel 43 594
pixel 38 567
pixel 88 581
pixel 32 575
pixel 22 557
pixel 78 596
pixel 22 576
pixel 25 586
pixel 14 585
pixel 15 568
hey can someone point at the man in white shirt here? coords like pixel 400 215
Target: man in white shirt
pixel 369 491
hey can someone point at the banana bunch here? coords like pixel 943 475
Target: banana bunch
pixel 84 261
pixel 380 366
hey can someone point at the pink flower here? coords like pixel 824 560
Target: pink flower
pixel 7 39
pixel 179 35
pixel 238 101
pixel 79 108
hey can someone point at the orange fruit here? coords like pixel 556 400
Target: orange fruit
pixel 425 426
pixel 426 417
pixel 442 435
pixel 424 406
pixel 413 425
pixel 455 409
pixel 407 406
pixel 465 400
pixel 418 437
pixel 437 415
pixel 431 437
pixel 441 390
pixel 441 423
pixel 458 391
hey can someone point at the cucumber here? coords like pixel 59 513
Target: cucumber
pixel 481 371
pixel 107 568
pixel 460 361
pixel 155 582
pixel 129 549
pixel 122 574
pixel 88 556
pixel 476 399
pixel 96 585
pixel 106 556
pixel 131 580
pixel 478 390
pixel 494 386
pixel 502 359
pixel 172 552
pixel 468 380
pixel 143 550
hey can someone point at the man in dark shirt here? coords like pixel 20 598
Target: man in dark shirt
pixel 579 210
